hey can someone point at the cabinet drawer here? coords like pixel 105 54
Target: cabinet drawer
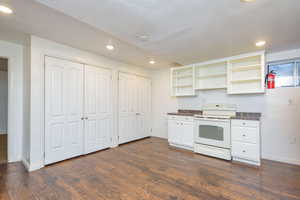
pixel 246 151
pixel 181 118
pixel 245 134
pixel 245 123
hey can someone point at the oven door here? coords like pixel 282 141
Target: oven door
pixel 214 132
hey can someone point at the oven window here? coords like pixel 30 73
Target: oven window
pixel 211 132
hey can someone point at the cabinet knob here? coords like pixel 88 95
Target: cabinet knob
pixel 244 135
pixel 244 151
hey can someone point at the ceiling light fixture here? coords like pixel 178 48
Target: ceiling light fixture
pixel 143 38
pixel 5 9
pixel 247 1
pixel 152 62
pixel 260 43
pixel 110 47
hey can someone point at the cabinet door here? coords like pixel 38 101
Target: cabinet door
pixel 173 130
pixel 187 134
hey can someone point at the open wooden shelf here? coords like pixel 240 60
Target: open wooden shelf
pixel 182 80
pixel 246 80
pixel 211 76
pixel 183 85
pixel 246 68
pixel 241 74
pixel 183 76
pixel 211 88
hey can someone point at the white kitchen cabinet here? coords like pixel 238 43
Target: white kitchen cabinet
pixel 246 141
pixel 182 81
pixel 211 76
pixel 242 74
pixel 246 74
pixel 180 132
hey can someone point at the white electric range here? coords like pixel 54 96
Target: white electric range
pixel 212 134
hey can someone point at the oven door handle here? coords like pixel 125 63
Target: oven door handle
pixel 210 119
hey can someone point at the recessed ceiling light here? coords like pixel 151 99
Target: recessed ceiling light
pixel 260 43
pixel 110 47
pixel 143 38
pixel 5 9
pixel 247 1
pixel 152 62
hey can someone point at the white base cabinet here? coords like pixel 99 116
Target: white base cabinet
pixel 246 141
pixel 180 132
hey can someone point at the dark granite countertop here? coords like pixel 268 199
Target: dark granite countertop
pixel 247 116
pixel 189 113
pixel 239 115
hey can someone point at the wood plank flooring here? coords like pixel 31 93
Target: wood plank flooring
pixel 3 148
pixel 150 170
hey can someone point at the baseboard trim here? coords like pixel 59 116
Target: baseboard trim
pixel 32 167
pixel 281 159
pixel 26 164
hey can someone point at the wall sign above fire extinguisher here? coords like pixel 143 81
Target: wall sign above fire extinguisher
pixel 270 80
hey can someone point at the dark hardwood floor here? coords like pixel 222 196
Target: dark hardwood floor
pixel 150 169
pixel 3 148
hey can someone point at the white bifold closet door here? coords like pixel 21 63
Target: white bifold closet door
pixel 78 116
pixel 134 107
pixel 98 109
pixel 63 110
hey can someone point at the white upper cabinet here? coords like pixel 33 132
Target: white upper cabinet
pixel 243 74
pixel 182 81
pixel 211 76
pixel 246 74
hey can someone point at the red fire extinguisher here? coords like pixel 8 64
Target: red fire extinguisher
pixel 270 79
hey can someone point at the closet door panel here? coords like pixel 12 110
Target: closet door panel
pixel 98 109
pixel 63 124
pixel 74 109
pixel 127 108
pixel 134 107
pixel 144 107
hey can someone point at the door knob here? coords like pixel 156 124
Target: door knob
pixel 86 118
pixel 82 118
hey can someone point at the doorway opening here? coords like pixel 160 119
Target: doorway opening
pixel 3 110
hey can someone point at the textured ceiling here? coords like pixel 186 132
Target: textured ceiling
pixel 176 31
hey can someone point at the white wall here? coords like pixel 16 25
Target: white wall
pixel 38 49
pixel 26 103
pixel 3 101
pixel 14 53
pixel 280 110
